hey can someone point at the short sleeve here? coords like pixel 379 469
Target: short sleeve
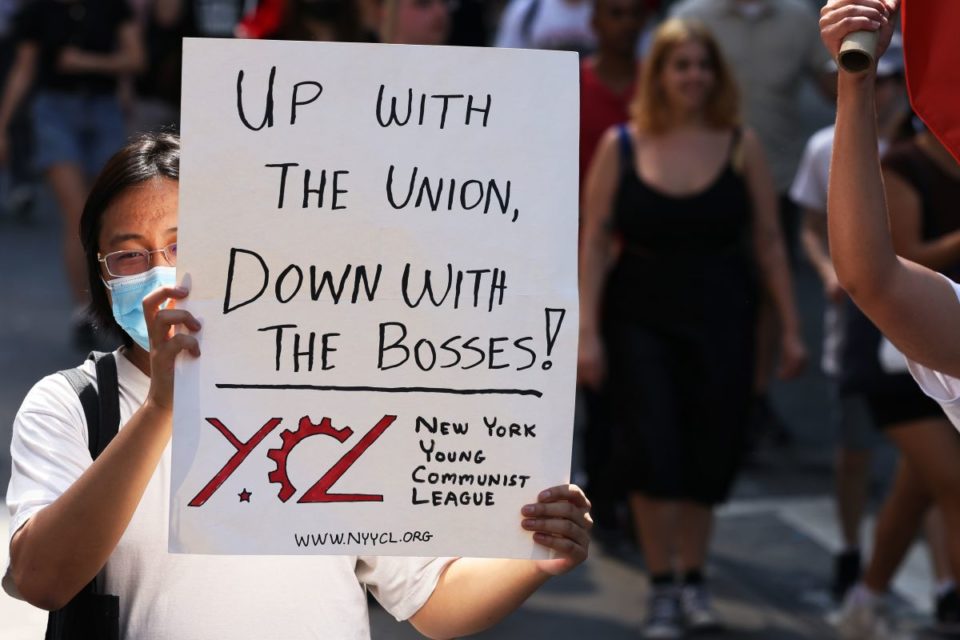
pixel 401 585
pixel 939 386
pixel 48 449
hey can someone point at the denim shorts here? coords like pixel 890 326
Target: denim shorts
pixel 80 129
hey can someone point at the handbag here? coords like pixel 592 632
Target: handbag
pixel 92 614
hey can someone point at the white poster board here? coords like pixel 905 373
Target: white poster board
pixel 340 406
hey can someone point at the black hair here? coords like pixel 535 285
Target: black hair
pixel 144 158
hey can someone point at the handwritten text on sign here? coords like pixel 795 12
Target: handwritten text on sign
pixel 381 245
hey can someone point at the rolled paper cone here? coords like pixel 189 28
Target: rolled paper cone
pixel 858 50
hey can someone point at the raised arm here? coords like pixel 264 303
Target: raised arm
pixel 63 546
pixel 914 307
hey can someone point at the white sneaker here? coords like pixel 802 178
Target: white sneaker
pixel 698 612
pixel 864 616
pixel 664 615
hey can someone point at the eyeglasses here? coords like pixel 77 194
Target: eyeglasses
pixel 130 262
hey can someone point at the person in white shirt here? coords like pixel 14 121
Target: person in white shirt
pixel 547 24
pixel 72 517
pixel 850 409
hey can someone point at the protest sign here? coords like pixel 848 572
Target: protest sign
pixel 380 242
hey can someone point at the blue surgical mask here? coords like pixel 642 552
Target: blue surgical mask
pixel 127 294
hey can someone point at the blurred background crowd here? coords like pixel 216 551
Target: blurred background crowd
pixel 704 159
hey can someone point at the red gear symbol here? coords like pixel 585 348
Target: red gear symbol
pixel 291 439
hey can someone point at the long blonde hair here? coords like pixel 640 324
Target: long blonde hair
pixel 649 109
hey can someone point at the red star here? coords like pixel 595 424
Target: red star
pixel 244 496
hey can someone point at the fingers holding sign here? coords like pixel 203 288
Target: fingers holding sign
pixel 163 319
pixel 841 18
pixel 560 520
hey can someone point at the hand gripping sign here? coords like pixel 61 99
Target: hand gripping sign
pixel 380 242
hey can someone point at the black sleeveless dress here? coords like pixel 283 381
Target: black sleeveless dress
pixel 679 322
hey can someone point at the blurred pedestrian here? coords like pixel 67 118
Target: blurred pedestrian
pixel 76 51
pixel 687 192
pixel 809 192
pixel 608 77
pixel 164 24
pixel 547 24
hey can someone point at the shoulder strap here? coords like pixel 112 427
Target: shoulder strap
pixel 90 402
pixel 109 387
pixel 626 148
pixel 102 413
pixel 101 410
pixel 737 159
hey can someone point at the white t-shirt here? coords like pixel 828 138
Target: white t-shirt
pixel 556 24
pixel 809 191
pixel 939 386
pixel 165 595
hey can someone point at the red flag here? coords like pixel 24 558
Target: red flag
pixel 931 45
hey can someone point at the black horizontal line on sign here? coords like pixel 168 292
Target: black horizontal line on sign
pixel 445 390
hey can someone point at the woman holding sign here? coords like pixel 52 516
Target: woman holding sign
pixel 79 518
pixel 915 307
pixel 686 193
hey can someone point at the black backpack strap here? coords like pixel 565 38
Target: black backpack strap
pixel 90 402
pixel 101 410
pixel 109 386
pixel 92 613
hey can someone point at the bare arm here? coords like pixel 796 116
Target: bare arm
pixel 770 253
pixel 813 237
pixel 595 253
pixel 63 546
pixel 914 307
pixel 18 84
pixel 128 58
pixel 906 228
pixel 473 594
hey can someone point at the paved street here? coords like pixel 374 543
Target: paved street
pixel 773 541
